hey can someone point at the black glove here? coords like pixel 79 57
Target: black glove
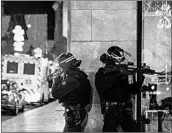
pixel 58 80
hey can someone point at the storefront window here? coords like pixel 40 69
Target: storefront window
pixel 157 49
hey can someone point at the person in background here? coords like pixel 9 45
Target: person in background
pixel 74 92
pixel 115 92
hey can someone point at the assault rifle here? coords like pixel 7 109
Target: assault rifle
pixel 131 69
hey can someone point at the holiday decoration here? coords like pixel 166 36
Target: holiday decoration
pixel 34 25
pixel 18 38
pixel 165 13
pixel 159 8
pixel 17 19
pixel 37 53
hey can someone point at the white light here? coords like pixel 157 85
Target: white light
pixel 158 92
pixel 16 54
pixel 18 38
pixel 18 46
pixel 29 26
pixel 55 6
pixel 152 87
pixel 37 52
pixel 167 89
pixel 50 62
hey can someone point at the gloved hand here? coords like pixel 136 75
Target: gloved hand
pixel 57 80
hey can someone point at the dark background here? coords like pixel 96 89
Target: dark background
pixel 33 7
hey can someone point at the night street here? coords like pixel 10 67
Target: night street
pixel 86 66
pixel 6 114
pixel 36 119
pixel 48 118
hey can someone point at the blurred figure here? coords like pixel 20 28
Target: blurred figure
pixel 74 92
pixel 115 92
pixel 60 46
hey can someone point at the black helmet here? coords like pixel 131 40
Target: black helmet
pixel 68 59
pixel 104 58
pixel 116 53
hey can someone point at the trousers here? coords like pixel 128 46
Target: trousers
pixel 116 118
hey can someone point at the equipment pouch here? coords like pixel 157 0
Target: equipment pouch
pixel 72 117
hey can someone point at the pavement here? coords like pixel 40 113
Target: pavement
pixel 49 118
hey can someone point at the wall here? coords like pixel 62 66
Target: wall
pixel 97 25
pixel 94 27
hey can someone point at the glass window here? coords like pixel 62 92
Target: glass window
pixel 12 67
pixel 29 69
pixel 157 38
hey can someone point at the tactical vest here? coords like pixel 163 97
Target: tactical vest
pixel 80 95
pixel 115 87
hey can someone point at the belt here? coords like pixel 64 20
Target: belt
pixel 74 107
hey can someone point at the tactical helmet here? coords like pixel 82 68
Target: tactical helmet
pixel 68 59
pixel 116 53
pixel 104 58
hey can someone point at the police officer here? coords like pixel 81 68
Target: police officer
pixel 74 92
pixel 115 92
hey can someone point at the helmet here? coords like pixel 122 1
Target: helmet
pixel 67 59
pixel 116 54
pixel 104 58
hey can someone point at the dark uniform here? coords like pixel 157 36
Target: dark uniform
pixel 115 93
pixel 74 93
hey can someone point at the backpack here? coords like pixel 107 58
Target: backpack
pixel 87 93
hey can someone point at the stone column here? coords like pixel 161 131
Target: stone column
pixel 58 20
pixel 2 8
pixel 65 18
